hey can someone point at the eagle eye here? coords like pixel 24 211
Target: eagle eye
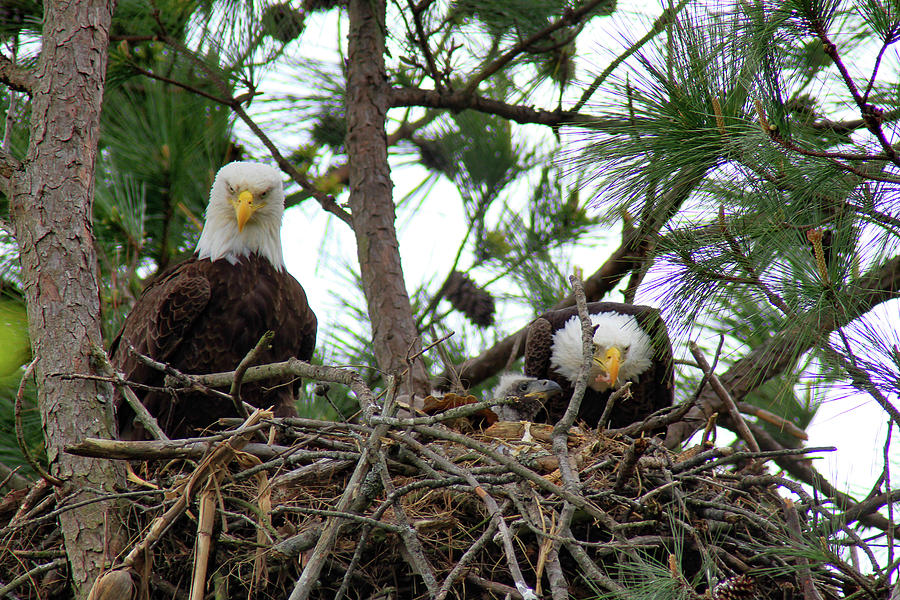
pixel 264 194
pixel 230 188
pixel 523 386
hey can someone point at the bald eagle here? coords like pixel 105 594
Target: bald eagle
pixel 529 396
pixel 630 344
pixel 204 314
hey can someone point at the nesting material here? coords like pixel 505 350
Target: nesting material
pixel 432 512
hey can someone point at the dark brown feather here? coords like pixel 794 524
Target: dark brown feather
pixel 652 391
pixel 203 317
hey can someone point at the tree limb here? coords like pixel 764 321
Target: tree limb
pixel 8 165
pixel 458 101
pixel 16 77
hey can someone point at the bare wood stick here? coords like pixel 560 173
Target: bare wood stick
pixel 622 392
pixel 449 414
pixel 7 589
pixel 468 555
pixel 793 521
pixel 560 446
pixel 205 521
pixel 297 368
pixel 20 433
pixel 698 463
pixel 773 419
pixel 514 466
pixel 330 531
pixel 12 478
pixel 726 398
pixel 587 336
pixel 629 463
pixel 559 588
pixel 157 449
pixel 221 455
pixel 407 533
pixel 494 587
pixel 361 543
pixel 589 567
pixel 509 550
pixel 659 419
pixel 177 375
pixel 140 411
pixel 803 471
pixel 241 369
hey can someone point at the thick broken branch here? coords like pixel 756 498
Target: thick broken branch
pixel 16 77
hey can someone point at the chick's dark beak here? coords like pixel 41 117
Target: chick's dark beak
pixel 543 390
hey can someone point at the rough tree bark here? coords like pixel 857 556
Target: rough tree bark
pixel 394 334
pixel 50 204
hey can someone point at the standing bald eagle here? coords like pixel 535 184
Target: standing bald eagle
pixel 205 314
pixel 630 343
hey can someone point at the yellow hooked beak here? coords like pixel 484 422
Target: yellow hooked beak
pixel 610 363
pixel 244 208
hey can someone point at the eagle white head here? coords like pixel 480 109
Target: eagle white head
pixel 622 350
pixel 246 204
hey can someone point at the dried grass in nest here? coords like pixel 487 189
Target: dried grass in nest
pixel 420 523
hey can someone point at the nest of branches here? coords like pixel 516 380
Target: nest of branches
pixel 444 506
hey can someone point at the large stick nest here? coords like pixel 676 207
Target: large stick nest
pixel 435 508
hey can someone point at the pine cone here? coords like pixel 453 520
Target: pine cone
pixel 740 587
pixel 469 299
pixel 434 156
pixel 283 22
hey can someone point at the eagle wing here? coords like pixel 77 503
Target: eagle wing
pixel 156 327
pixel 176 314
pixel 538 348
pixel 163 314
pixel 538 341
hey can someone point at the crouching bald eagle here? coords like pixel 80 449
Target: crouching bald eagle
pixel 204 315
pixel 630 344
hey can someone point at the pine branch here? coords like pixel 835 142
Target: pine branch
pixel 340 172
pixel 780 352
pixel 664 20
pixel 457 101
pixel 569 17
pixel 421 40
pixel 871 115
pixel 803 471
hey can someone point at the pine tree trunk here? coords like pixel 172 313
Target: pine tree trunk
pixel 51 210
pixel 371 202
